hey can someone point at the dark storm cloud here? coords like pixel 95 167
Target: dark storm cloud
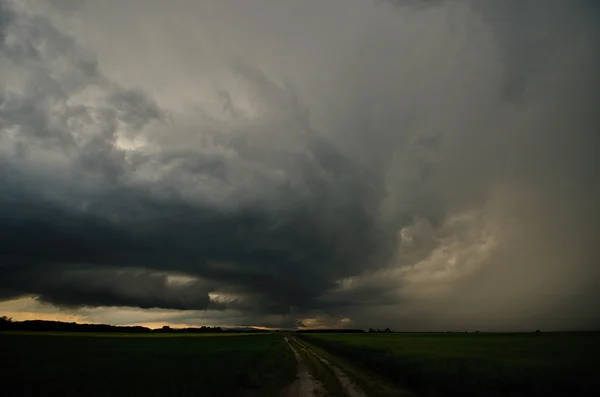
pixel 431 163
pixel 281 254
pixel 75 286
pixel 281 257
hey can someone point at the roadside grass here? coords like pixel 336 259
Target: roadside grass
pixel 476 364
pixel 272 370
pixel 105 365
pixel 321 371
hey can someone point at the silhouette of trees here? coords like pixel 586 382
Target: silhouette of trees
pixel 332 331
pixel 5 323
pixel 203 329
pixel 59 326
pixel 375 331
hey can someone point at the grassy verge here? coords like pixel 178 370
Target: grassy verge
pixel 271 371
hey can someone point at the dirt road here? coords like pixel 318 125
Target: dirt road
pixel 306 385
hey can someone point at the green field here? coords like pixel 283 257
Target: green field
pixel 82 364
pixel 430 365
pixel 473 365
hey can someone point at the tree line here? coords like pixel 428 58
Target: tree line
pixel 331 330
pixel 7 324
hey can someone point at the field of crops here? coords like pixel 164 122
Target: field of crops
pixel 431 365
pixel 39 364
pixel 474 365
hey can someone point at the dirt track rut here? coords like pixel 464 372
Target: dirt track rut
pixel 306 384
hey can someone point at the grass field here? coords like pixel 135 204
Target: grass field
pixel 431 365
pixel 82 364
pixel 545 364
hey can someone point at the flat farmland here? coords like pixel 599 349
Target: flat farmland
pixel 475 364
pixel 87 364
pixel 328 364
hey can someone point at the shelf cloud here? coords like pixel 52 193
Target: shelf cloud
pixel 420 165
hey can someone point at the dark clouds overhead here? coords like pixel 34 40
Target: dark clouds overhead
pixel 418 165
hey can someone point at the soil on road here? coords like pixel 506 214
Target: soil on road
pixel 306 384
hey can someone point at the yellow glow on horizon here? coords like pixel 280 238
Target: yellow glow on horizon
pixel 30 308
pixel 23 316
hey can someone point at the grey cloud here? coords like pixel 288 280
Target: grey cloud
pixel 75 286
pixel 134 107
pixel 5 16
pixel 420 167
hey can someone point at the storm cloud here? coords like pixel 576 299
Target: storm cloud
pixel 421 165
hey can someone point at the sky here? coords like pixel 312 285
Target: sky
pixel 419 165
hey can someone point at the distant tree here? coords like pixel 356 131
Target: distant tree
pixel 378 330
pixel 331 331
pixel 5 323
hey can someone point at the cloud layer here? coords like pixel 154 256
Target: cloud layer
pixel 419 165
